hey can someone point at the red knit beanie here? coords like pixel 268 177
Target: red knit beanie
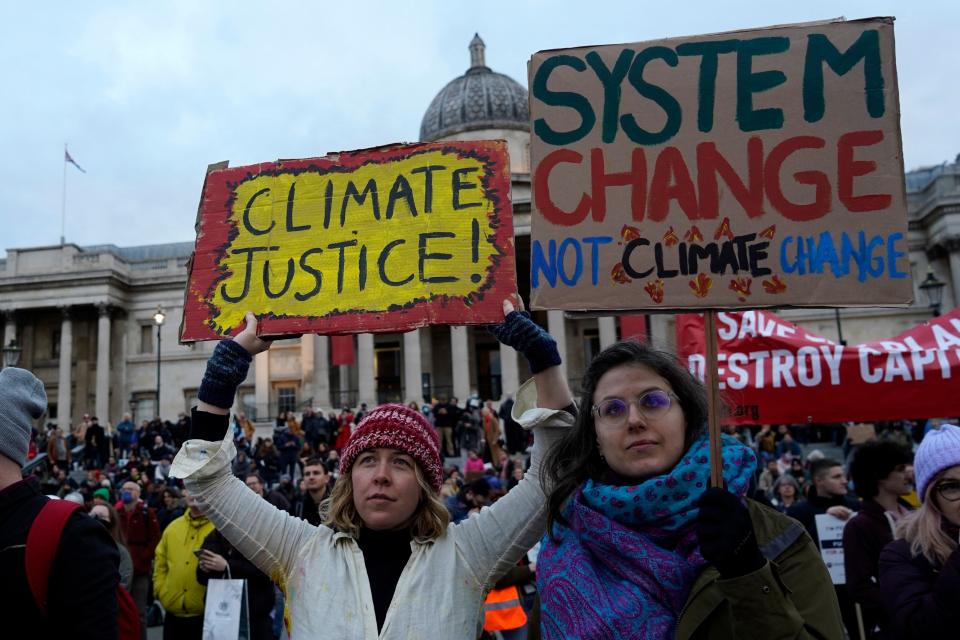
pixel 396 426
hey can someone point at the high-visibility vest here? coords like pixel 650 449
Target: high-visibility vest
pixel 503 610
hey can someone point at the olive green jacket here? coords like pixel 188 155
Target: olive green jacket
pixel 790 597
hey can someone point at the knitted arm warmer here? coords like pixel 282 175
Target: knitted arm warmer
pixel 529 338
pixel 226 369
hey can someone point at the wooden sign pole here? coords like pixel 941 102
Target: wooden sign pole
pixel 713 399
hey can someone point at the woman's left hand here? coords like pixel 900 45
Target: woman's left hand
pixel 726 536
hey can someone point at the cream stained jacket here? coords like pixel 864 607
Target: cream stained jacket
pixel 441 590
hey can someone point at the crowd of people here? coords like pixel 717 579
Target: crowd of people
pixel 541 517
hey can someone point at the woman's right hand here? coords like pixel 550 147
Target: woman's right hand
pixel 248 338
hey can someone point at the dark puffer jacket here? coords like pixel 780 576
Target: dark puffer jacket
pixel 924 599
pixel 259 586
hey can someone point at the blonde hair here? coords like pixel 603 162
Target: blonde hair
pixel 429 520
pixel 921 528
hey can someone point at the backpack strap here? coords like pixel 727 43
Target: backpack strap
pixel 42 542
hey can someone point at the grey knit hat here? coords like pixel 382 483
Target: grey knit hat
pixel 22 399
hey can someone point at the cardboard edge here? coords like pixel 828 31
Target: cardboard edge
pixel 216 166
pixel 791 25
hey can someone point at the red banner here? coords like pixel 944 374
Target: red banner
pixel 772 371
pixel 341 350
pixel 633 327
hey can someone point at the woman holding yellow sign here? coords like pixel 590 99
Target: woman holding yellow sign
pixel 386 562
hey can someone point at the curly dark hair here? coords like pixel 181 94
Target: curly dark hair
pixel 874 461
pixel 577 456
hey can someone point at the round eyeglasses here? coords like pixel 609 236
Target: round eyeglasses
pixel 949 490
pixel 654 404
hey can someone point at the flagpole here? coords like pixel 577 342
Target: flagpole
pixel 63 199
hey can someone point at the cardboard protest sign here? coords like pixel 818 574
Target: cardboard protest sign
pixel 376 240
pixel 772 371
pixel 744 169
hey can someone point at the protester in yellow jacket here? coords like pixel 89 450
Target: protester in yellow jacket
pixel 175 573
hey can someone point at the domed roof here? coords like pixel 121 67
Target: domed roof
pixel 479 99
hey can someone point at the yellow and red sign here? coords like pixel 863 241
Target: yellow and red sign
pixel 376 240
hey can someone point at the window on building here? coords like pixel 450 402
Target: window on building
pixel 144 405
pixel 146 338
pixel 286 399
pixel 55 345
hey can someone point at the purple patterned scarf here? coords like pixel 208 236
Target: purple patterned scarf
pixel 624 567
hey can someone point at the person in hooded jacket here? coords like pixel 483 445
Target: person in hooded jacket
pixel 175 573
pixel 920 570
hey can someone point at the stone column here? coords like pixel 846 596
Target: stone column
pixel 321 372
pixel 955 273
pixel 64 380
pixel 460 356
pixel 103 364
pixel 261 364
pixel 10 328
pixel 608 331
pixel 366 382
pixel 556 325
pixel 412 368
pixel 509 372
pixel 307 366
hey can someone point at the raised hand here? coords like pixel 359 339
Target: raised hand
pixel 519 331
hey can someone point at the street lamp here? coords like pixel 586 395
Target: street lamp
pixel 11 354
pixel 158 318
pixel 932 288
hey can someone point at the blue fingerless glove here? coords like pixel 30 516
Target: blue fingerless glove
pixel 529 338
pixel 226 369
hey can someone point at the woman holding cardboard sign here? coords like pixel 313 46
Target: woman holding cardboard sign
pixel 639 546
pixel 386 562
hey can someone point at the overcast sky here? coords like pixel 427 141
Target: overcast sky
pixel 148 94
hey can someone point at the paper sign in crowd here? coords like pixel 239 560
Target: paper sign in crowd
pixel 744 169
pixel 376 240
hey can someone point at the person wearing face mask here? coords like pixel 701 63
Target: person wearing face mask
pixel 386 562
pixel 639 545
pixel 920 570
pixel 879 477
pixel 140 528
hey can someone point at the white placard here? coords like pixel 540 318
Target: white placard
pixel 830 532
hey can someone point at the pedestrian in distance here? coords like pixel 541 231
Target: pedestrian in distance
pixel 386 562
pixel 639 545
pixel 920 570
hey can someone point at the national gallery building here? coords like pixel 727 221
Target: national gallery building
pixel 85 319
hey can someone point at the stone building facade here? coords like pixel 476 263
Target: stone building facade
pixel 84 316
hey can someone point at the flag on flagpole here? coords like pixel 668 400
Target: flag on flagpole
pixel 68 158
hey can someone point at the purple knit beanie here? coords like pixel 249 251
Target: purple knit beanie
pixel 396 426
pixel 939 450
